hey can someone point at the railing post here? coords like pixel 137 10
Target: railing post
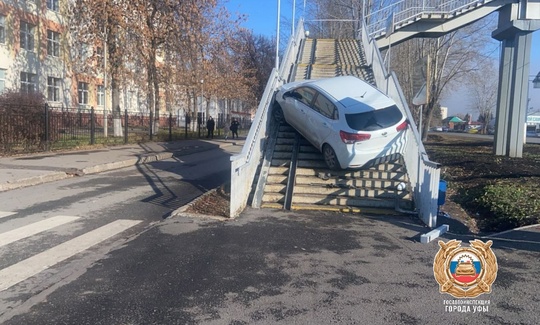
pixel 92 126
pixel 170 126
pixel 125 126
pixel 47 127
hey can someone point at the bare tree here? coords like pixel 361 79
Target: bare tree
pixel 451 59
pixel 483 92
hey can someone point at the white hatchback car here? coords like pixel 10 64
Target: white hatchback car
pixel 349 121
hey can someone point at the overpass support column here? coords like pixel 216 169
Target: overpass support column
pixel 516 23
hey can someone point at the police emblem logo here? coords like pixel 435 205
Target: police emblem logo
pixel 465 272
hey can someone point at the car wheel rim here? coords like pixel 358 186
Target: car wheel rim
pixel 330 157
pixel 278 114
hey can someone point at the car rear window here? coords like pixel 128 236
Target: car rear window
pixel 374 120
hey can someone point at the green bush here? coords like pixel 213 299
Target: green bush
pixel 508 204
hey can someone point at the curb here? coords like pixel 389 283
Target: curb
pixel 56 176
pixel 36 180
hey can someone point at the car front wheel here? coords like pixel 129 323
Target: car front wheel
pixel 278 113
pixel 330 157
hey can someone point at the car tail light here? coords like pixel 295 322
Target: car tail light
pixel 402 126
pixel 353 137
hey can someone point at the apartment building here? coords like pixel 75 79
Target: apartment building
pixel 38 54
pixel 35 54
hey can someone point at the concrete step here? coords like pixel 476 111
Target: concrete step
pixel 278 170
pixel 284 141
pixel 354 173
pixel 347 182
pixel 342 201
pixel 275 188
pixel 300 190
pixel 283 147
pixel 346 209
pixel 269 197
pixel 276 179
pixel 280 162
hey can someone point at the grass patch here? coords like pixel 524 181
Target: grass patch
pixel 496 192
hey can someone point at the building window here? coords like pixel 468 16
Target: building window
pixel 27 36
pixel 53 43
pixel 100 95
pixel 28 82
pixel 53 89
pixel 2 80
pixel 2 29
pixel 52 5
pixel 83 93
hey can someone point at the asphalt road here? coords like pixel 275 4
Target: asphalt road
pixel 50 233
pixel 265 267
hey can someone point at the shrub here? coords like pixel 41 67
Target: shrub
pixel 508 204
pixel 22 120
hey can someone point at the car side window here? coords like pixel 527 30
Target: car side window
pixel 325 107
pixel 307 95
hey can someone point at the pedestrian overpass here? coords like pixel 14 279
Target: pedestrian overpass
pixel 314 58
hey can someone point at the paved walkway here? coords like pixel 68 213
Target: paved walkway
pixel 29 170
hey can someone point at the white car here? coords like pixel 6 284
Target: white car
pixel 349 121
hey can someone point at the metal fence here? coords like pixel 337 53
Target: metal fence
pixel 26 129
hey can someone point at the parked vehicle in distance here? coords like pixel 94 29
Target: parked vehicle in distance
pixel 348 120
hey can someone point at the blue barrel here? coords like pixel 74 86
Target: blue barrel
pixel 442 193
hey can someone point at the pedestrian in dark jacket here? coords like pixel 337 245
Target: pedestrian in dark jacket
pixel 210 124
pixel 234 128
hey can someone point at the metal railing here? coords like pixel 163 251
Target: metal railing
pixel 244 165
pixel 410 10
pixel 30 129
pixel 424 175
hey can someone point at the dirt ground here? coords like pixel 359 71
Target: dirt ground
pixel 466 164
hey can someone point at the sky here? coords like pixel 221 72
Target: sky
pixel 262 19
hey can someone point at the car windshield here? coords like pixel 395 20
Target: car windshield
pixel 374 120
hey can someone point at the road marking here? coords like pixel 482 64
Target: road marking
pixel 31 266
pixel 4 214
pixel 32 229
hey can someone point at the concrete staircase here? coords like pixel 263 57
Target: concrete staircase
pixel 294 174
pixel 326 58
pixel 315 187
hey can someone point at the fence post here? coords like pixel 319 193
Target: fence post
pixel 47 138
pixel 92 126
pixel 170 126
pixel 125 126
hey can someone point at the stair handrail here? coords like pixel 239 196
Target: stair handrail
pixel 244 165
pixel 424 174
pixel 408 10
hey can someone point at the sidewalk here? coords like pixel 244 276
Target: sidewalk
pixel 29 170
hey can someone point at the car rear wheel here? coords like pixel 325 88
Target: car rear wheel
pixel 278 113
pixel 330 157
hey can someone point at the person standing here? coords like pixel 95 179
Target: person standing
pixel 210 124
pixel 234 128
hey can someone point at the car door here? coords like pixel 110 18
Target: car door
pixel 322 120
pixel 301 103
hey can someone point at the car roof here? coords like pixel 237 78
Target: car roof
pixel 351 92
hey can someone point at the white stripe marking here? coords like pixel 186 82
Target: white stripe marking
pixel 31 266
pixel 32 229
pixel 4 214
